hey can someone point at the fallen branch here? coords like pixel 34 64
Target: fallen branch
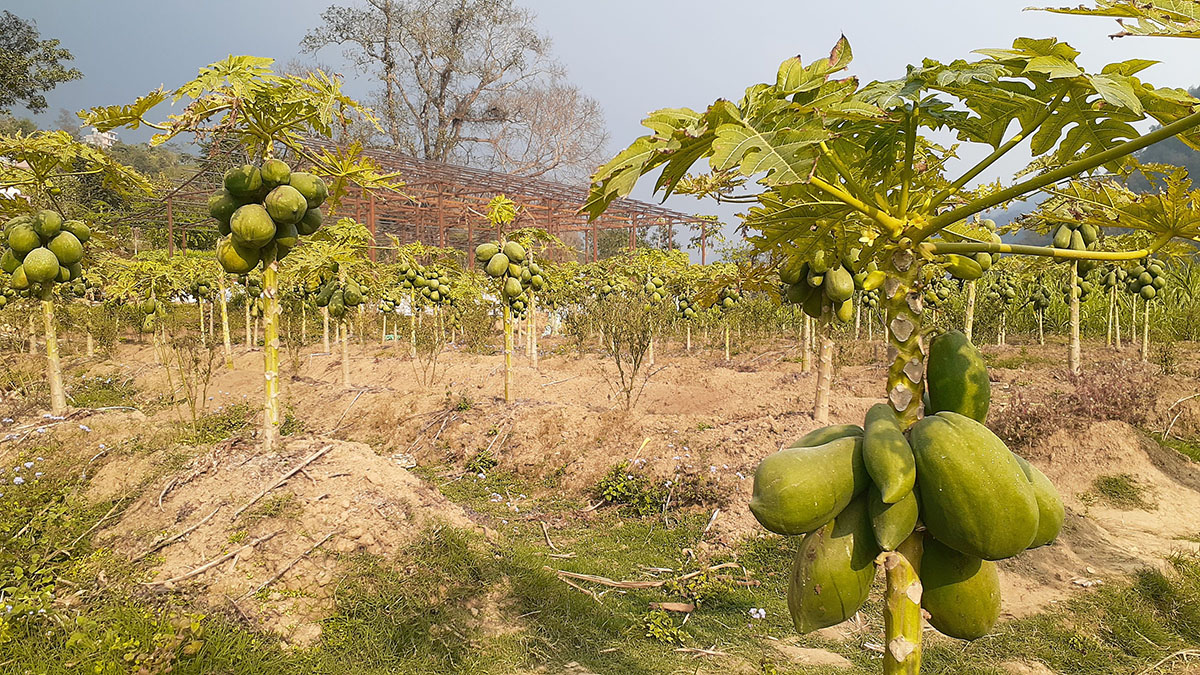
pixel 339 422
pixel 285 570
pixel 546 534
pixel 170 484
pixel 550 384
pixel 163 543
pixel 716 512
pixel 700 652
pixel 684 607
pixel 1184 653
pixel 605 581
pixel 1167 431
pixel 581 589
pixel 209 565
pixel 312 458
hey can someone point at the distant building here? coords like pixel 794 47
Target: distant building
pixel 101 139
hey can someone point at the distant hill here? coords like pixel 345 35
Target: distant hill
pixel 1170 151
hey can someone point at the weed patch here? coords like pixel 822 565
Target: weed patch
pixel 218 425
pixel 1121 491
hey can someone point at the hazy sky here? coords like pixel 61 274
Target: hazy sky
pixel 632 56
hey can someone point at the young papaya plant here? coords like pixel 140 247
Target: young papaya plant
pixel 504 262
pixel 840 164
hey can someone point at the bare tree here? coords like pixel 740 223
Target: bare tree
pixel 468 81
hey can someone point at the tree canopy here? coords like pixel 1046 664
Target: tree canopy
pixel 29 65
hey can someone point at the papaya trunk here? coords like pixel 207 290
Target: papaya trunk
pixel 91 344
pixel 508 348
pixel 1133 331
pixel 726 339
pixel 346 356
pixel 533 330
pixel 1145 333
pixel 325 327
pixel 824 372
pixel 1116 320
pixel 902 307
pixel 58 397
pixel 650 350
pixel 805 352
pixel 225 323
pixel 249 325
pixel 902 608
pixel 412 325
pixel 1074 356
pixel 303 321
pixel 200 306
pixel 858 318
pixel 969 325
pixel 689 338
pixel 383 332
pixel 1108 331
pixel 212 320
pixel 33 345
pixel 271 352
pixel 1041 317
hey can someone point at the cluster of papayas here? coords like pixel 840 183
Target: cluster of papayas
pixel 339 296
pixel 609 286
pixel 824 283
pixel 655 287
pixel 200 289
pixel 728 298
pixel 263 211
pixel 1146 280
pixel 854 491
pixel 1001 290
pixel 1082 289
pixel 870 299
pixel 1114 277
pixel 506 261
pixel 253 285
pixel 151 308
pixel 1040 298
pixel 937 292
pixel 431 283
pixel 1077 237
pixel 41 250
pixel 687 307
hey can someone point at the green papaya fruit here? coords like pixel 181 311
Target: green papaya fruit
pixel 236 258
pixel 820 262
pixel 9 262
pixel 497 266
pixel 20 281
pixel 799 489
pixel 797 293
pixel 845 311
pixel 961 592
pixel 838 285
pixel 311 186
pixel 484 252
pixel 892 522
pixel 1089 233
pixel 41 265
pixel 974 496
pixel 22 238
pixel 1077 243
pixel 275 172
pixel 814 304
pixel 252 226
pixel 825 434
pixel 962 267
pixel 792 271
pixel 874 280
pixel 311 222
pixel 887 455
pixel 514 251
pixel 1062 237
pixel 66 247
pixel 984 260
pixel 47 224
pixel 286 205
pixel 243 181
pixel 957 377
pixel 1051 512
pixel 833 570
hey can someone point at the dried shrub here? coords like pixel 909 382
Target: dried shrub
pixel 1115 394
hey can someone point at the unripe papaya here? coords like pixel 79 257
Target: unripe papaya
pixel 957 377
pixel 833 571
pixel 1077 243
pixel 793 271
pixel 799 489
pixel 962 267
pixel 1062 237
pixel 892 523
pixel 820 263
pixel 814 304
pixel 887 455
pixel 797 293
pixel 497 266
pixel 484 252
pixel 514 251
pixel 961 592
pixel 1051 512
pixel 874 280
pixel 845 311
pixel 974 496
pixel 838 285
pixel 825 434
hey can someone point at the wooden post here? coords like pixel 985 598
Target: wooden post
pixel 170 228
pixel 371 226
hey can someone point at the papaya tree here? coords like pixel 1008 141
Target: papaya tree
pixel 265 206
pixel 837 162
pixel 44 244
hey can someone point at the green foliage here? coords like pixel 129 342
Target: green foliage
pixel 30 65
pixel 1150 18
pixel 661 627
pixel 630 489
pixel 482 463
pixel 101 392
pixel 218 425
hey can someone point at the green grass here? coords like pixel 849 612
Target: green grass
pixel 1020 361
pixel 413 611
pixel 218 425
pixel 1121 491
pixel 1189 448
pixel 101 392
